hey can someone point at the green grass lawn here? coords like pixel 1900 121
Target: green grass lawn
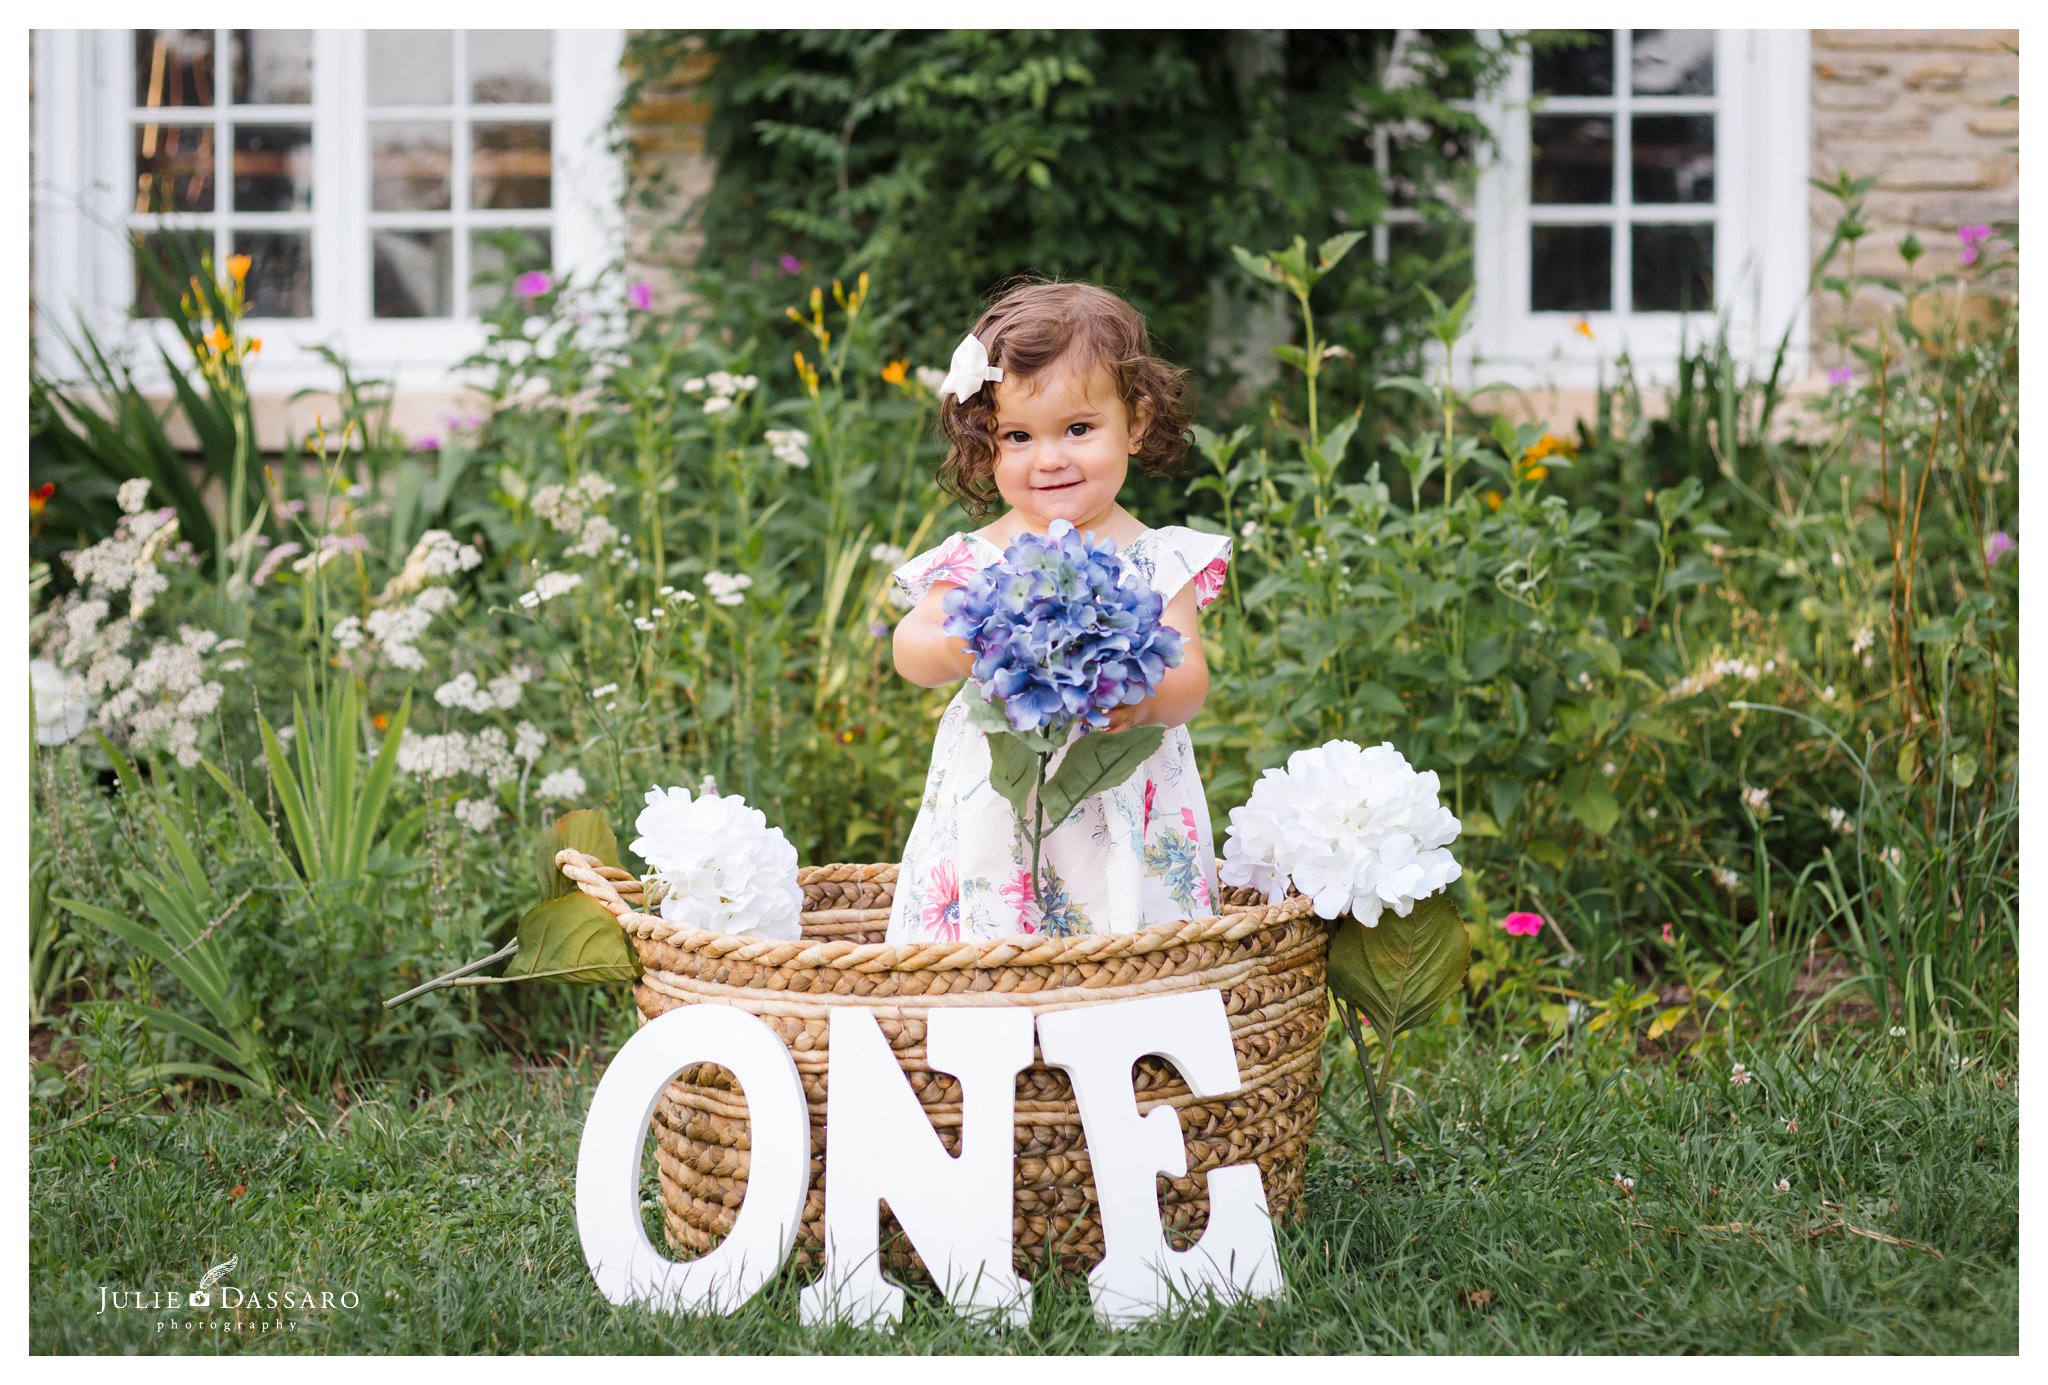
pixel 450 1216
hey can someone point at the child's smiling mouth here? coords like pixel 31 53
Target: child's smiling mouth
pixel 1067 486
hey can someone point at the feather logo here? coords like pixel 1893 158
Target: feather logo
pixel 200 1298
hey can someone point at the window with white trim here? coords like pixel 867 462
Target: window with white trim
pixel 1642 187
pixel 372 177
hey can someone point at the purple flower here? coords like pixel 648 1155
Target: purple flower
pixel 533 284
pixel 878 628
pixel 1972 235
pixel 641 296
pixel 1062 631
pixel 792 265
pixel 1842 375
pixel 429 443
pixel 1997 546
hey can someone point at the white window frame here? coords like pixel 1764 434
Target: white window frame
pixel 1762 242
pixel 84 181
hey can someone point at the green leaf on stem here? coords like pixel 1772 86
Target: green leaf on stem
pixel 1099 760
pixel 572 939
pixel 1399 972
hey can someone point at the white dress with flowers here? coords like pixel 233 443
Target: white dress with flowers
pixel 1129 856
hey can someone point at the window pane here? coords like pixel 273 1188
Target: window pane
pixel 1673 62
pixel 1571 158
pixel 272 67
pixel 1575 71
pixel 509 164
pixel 496 258
pixel 1671 268
pixel 174 168
pixel 1437 253
pixel 1672 158
pixel 273 168
pixel 173 67
pixel 411 67
pixel 280 279
pixel 412 273
pixel 1571 269
pixel 189 247
pixel 511 64
pixel 410 165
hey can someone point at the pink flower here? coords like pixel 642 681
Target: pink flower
pixel 942 905
pixel 792 265
pixel 1209 581
pixel 953 563
pixel 1997 546
pixel 1842 375
pixel 640 296
pixel 1022 892
pixel 1972 235
pixel 429 443
pixel 1667 933
pixel 1151 791
pixel 533 283
pixel 1522 925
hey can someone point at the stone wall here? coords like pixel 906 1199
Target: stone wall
pixel 1920 109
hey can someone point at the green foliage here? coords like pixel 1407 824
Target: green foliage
pixel 1400 971
pixel 574 940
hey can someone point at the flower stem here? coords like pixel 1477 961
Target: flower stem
pixel 1372 1091
pixel 1038 832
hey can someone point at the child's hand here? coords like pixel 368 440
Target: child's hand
pixel 1124 718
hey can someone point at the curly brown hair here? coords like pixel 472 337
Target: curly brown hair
pixel 1035 324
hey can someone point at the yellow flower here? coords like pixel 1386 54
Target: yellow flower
pixel 807 374
pixel 1530 465
pixel 896 371
pixel 1493 500
pixel 255 345
pixel 1584 329
pixel 219 340
pixel 238 265
pixel 817 301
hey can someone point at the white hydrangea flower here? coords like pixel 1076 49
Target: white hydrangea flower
pixel 563 786
pixel 1357 830
pixel 726 869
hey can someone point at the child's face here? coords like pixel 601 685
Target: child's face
pixel 1064 442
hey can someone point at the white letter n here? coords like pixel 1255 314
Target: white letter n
pixel 879 1144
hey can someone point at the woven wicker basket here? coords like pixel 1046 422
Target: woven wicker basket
pixel 1266 959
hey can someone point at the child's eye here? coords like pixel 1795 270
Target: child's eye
pixel 1083 426
pixel 1014 434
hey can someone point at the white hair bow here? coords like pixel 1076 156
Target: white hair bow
pixel 969 369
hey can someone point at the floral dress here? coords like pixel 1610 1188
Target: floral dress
pixel 1133 855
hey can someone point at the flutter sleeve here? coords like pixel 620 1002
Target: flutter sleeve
pixel 952 561
pixel 1200 558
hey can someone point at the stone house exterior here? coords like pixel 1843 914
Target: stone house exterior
pixel 368 169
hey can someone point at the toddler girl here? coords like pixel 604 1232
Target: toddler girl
pixel 1052 397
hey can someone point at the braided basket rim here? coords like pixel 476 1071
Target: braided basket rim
pixel 609 886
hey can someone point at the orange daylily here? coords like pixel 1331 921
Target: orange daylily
pixel 219 340
pixel 1584 328
pixel 896 372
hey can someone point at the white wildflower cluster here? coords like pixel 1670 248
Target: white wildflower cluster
pixel 501 694
pixel 438 554
pixel 563 786
pixel 477 814
pixel 788 445
pixel 1758 800
pixel 133 495
pixel 1358 830
pixel 393 632
pixel 724 386
pixel 168 695
pixel 1862 643
pixel 726 587
pixel 887 554
pixel 725 868
pixel 1693 684
pixel 548 586
pixel 1727 879
pixel 1841 822
pixel 126 560
pixel 486 755
pixel 577 510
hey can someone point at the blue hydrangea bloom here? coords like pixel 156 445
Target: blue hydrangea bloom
pixel 1062 630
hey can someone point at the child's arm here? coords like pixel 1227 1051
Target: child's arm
pixel 1185 688
pixel 925 653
